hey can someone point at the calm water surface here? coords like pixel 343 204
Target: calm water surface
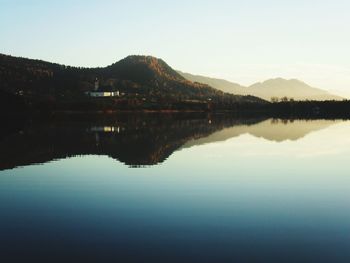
pixel 176 190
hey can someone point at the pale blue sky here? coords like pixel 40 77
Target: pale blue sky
pixel 242 41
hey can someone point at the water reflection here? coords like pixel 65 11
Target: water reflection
pixel 234 190
pixel 137 140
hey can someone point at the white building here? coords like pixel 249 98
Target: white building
pixel 102 92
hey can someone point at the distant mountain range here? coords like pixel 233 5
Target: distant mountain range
pixel 141 82
pixel 273 88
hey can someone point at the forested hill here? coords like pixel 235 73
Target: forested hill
pixel 133 76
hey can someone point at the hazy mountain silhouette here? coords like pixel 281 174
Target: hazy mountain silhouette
pixel 221 84
pixel 135 140
pixel 278 87
pixel 291 88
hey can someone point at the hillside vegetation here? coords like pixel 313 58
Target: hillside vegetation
pixel 135 77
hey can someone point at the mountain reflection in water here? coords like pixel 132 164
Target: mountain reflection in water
pixel 136 140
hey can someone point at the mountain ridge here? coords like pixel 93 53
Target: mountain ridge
pixel 134 75
pixel 268 89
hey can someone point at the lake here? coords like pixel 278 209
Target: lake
pixel 175 188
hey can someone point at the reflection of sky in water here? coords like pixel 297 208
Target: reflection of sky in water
pixel 245 193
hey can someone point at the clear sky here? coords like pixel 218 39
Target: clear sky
pixel 242 41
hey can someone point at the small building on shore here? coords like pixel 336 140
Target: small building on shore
pixel 102 92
